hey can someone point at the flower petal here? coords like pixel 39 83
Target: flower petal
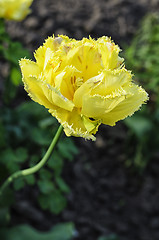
pixel 14 10
pixel 35 90
pixel 65 81
pixel 109 52
pixel 29 68
pixel 106 83
pixel 86 59
pixel 55 96
pixel 96 106
pixel 72 122
pixel 110 81
pixel 85 89
pixel 133 101
pixel 112 109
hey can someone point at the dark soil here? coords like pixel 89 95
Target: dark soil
pixel 106 197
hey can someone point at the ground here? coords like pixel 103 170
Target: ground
pixel 106 196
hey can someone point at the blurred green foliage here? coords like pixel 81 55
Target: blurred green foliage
pixel 11 52
pixel 63 231
pixel 26 132
pixel 142 57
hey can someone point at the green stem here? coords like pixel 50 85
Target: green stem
pixel 34 169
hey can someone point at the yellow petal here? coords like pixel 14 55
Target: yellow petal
pixel 109 52
pixel 109 81
pixel 39 89
pixel 85 89
pixel 72 122
pixel 133 101
pixel 55 96
pixel 86 59
pixel 14 10
pixel 29 68
pixel 106 83
pixel 65 81
pixel 96 106
pixel 112 109
pixel 43 55
pixel 35 90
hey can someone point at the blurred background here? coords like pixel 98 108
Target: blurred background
pixel 103 190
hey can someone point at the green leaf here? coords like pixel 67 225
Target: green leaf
pixel 139 125
pixel 63 231
pixel 12 158
pixel 44 201
pixel 30 179
pixel 34 109
pixel 40 137
pixel 7 155
pixel 55 201
pixel 56 162
pixel 21 155
pixel 47 122
pixel 45 174
pixel 67 149
pixel 9 158
pixel 15 76
pixel 18 183
pixel 62 185
pixel 46 186
pixel 15 51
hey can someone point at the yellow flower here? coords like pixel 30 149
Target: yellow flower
pixel 14 9
pixel 82 83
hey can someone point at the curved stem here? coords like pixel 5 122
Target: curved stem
pixel 34 169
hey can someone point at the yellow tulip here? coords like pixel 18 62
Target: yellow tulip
pixel 83 83
pixel 14 9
